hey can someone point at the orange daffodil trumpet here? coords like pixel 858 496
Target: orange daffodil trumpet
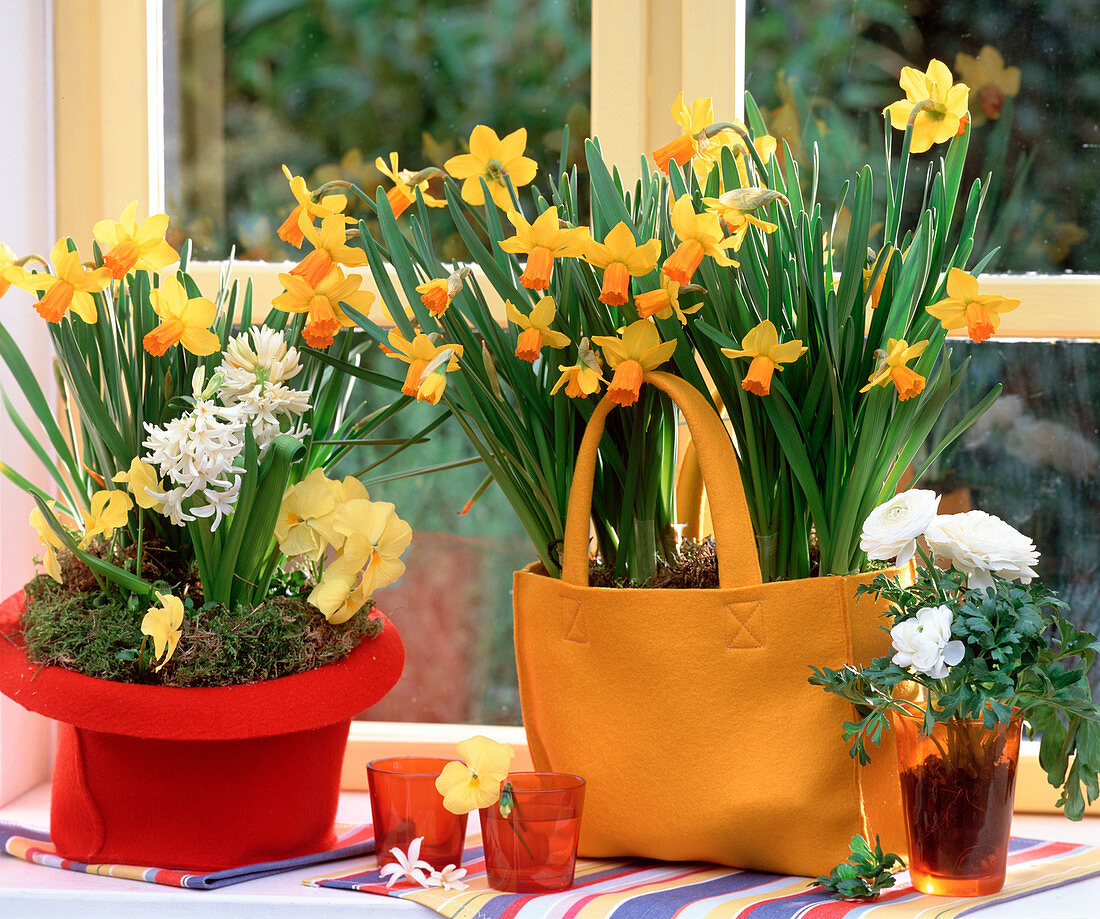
pixel 405 184
pixel 892 369
pixel 70 286
pixel 881 264
pixel 964 307
pixel 665 301
pixel 700 235
pixel 322 303
pixel 164 625
pixel 761 343
pixel 933 104
pixel 638 349
pixel 131 246
pixel 418 354
pixel 621 258
pixel 183 320
pixel 475 782
pixel 307 209
pixel 438 293
pixel 498 161
pixel 536 333
pixel 330 247
pixel 543 241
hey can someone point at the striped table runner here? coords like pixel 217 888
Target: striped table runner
pixel 352 841
pixel 635 889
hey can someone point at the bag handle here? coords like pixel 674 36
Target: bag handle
pixel 734 539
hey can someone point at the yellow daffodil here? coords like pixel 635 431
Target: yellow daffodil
pixel 536 333
pixel 989 80
pixel 71 285
pixel 299 528
pixel 130 245
pixel 542 241
pixel 734 209
pixel 475 782
pixel 405 183
pixel 418 353
pixel 665 301
pixel 183 320
pixel 495 160
pixel 942 105
pixel 374 539
pixel 891 368
pixel 621 258
pixel 582 378
pixel 438 293
pixel 323 303
pixel 883 257
pixel 693 123
pixel 330 247
pixel 141 478
pixel 963 307
pixel 163 624
pixel 699 234
pixel 307 209
pixel 761 343
pixel 638 349
pixel 7 260
pixel 108 511
pixel 51 543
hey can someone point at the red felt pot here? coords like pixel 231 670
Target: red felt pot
pixel 197 779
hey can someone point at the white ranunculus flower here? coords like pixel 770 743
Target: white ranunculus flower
pixel 981 545
pixel 892 529
pixel 924 643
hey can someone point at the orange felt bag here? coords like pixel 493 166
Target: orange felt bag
pixel 687 711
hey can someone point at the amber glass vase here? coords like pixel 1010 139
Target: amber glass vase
pixel 534 848
pixel 958 784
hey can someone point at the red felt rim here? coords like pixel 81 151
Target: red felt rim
pixel 301 702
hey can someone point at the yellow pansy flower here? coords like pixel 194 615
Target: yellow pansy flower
pixel 50 541
pixel 542 241
pixel 989 80
pixel 322 303
pixel 664 301
pixel 108 511
pixel 71 285
pixel 418 353
pixel 303 213
pixel 130 245
pixel 405 183
pixel 639 349
pixel 330 248
pixel 761 343
pixel 7 260
pixel 536 333
pixel 621 258
pixel 183 320
pixel 139 477
pixel 163 624
pixel 304 505
pixel 700 234
pixel 475 783
pixel 942 105
pixel 891 368
pixel 964 307
pixel 495 160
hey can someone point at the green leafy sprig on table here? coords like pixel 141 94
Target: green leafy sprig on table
pixel 866 873
pixel 1020 654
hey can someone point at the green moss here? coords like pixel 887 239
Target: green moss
pixel 100 635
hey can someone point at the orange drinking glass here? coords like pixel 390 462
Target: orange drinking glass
pixel 958 786
pixel 534 848
pixel 405 804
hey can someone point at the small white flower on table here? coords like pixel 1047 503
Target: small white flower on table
pixel 450 878
pixel 409 867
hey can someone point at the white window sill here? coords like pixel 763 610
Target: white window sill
pixel 32 892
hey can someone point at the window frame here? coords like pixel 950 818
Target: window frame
pixel 109 139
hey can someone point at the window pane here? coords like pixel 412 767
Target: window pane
pixel 327 86
pixel 824 69
pixel 1034 458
